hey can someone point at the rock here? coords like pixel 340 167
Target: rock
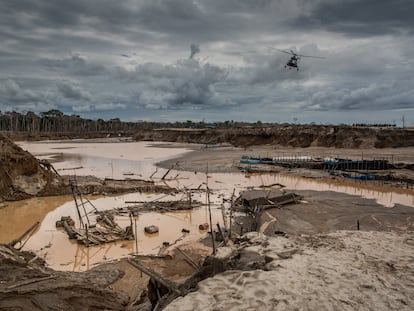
pixel 203 226
pixel 151 229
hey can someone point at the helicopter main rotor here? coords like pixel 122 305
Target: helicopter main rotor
pixel 298 55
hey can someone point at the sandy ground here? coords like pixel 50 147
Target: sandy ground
pixel 339 271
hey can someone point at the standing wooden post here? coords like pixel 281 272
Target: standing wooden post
pixel 87 235
pixel 77 206
pixel 211 222
pixel 231 212
pixel 209 212
pixel 223 214
pixel 136 237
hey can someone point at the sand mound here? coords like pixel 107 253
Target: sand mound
pixel 339 271
pixel 22 176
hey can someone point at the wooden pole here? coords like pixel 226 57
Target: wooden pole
pixel 222 234
pixel 172 286
pixel 28 231
pixel 223 214
pixel 189 259
pixel 136 236
pixel 87 235
pixel 84 209
pixel 77 206
pixel 231 212
pixel 211 222
pixel 209 212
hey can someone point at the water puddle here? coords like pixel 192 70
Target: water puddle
pixel 137 160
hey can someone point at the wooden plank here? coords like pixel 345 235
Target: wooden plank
pixel 189 259
pixel 28 231
pixel 171 285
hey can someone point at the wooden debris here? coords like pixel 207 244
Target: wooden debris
pixel 28 232
pixel 188 259
pixel 171 285
pixel 107 231
pixel 222 234
pixel 167 206
pixel 263 199
pixel 165 175
pixel 31 281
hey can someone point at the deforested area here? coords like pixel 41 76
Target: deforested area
pixel 206 155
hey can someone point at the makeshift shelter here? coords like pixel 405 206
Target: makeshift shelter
pixel 263 199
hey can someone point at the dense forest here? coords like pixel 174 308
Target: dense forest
pixel 55 121
pixel 58 122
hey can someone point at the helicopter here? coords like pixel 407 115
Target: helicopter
pixel 294 59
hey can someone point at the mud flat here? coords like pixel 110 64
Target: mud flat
pixel 226 158
pixel 311 265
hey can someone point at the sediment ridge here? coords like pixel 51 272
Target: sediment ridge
pixel 290 135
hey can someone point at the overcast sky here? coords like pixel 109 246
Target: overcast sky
pixel 212 60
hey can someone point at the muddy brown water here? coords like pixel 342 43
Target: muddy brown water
pixel 116 159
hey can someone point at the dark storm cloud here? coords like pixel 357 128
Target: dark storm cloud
pixel 10 91
pixel 73 92
pixel 187 83
pixel 373 96
pixel 52 14
pixel 360 17
pixel 127 58
pixel 180 19
pixel 74 65
pixel 16 96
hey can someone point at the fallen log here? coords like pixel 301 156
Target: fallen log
pixel 189 260
pixel 171 285
pixel 27 282
pixel 27 232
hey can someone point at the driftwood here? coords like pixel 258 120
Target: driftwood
pixel 222 234
pixel 171 285
pixel 165 175
pixel 27 232
pixel 156 170
pixel 108 231
pixel 31 281
pixel 188 259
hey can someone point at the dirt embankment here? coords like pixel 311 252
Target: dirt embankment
pixel 290 135
pixel 26 284
pixel 21 174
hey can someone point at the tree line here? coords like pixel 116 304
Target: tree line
pixel 58 122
